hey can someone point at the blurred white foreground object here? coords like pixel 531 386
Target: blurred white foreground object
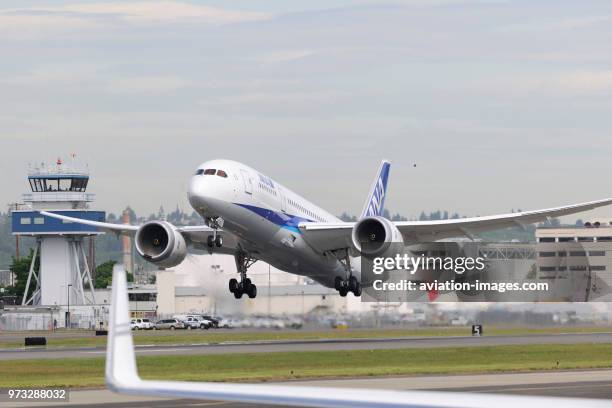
pixel 122 377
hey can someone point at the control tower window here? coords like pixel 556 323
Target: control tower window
pixel 78 184
pixel 40 185
pixel 221 173
pixel 37 185
pixel 64 185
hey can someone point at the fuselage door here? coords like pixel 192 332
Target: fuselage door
pixel 248 183
pixel 283 199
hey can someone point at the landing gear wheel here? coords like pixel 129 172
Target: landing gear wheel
pixel 252 291
pixel 210 241
pixel 352 284
pixel 233 285
pixel 357 292
pixel 245 286
pixel 338 281
pixel 343 292
pixel 219 241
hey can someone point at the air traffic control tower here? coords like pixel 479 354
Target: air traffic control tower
pixel 64 273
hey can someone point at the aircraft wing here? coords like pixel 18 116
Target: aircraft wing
pixel 197 235
pixel 124 229
pixel 122 376
pixel 330 236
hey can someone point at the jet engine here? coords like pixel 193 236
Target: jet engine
pixel 377 236
pixel 161 244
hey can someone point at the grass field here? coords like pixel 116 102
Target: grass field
pixel 88 372
pixel 213 336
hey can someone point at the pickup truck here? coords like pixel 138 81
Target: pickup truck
pixel 192 322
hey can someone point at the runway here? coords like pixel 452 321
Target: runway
pixel 314 345
pixel 578 384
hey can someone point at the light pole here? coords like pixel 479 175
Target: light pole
pixel 68 313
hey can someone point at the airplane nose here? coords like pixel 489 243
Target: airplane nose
pixel 205 192
pixel 197 191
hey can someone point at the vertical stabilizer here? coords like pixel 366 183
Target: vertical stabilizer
pixel 375 203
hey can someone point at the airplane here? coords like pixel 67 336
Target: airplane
pixel 252 217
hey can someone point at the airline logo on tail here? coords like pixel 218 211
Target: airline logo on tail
pixel 378 192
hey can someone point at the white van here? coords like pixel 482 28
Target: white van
pixel 141 324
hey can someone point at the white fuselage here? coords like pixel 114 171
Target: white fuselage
pixel 264 216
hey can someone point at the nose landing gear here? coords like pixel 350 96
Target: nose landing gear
pixel 214 240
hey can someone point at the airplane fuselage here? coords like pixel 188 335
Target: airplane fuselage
pixel 264 216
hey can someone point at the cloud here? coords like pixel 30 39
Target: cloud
pixel 150 84
pixel 71 74
pixel 553 83
pixel 284 56
pixel 586 81
pixel 164 11
pixel 559 24
pixel 40 20
pixel 257 98
pixel 93 77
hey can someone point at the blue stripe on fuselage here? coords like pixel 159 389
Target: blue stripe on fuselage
pixel 283 220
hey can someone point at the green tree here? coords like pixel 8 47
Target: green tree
pixel 104 275
pixel 21 267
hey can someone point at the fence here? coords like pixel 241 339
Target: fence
pixel 81 317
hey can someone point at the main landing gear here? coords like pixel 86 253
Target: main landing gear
pixel 350 284
pixel 244 286
pixel 344 286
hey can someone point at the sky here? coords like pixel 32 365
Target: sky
pixel 500 104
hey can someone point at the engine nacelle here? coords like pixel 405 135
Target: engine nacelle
pixel 377 236
pixel 160 243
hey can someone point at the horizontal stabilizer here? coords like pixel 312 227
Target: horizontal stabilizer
pixel 122 376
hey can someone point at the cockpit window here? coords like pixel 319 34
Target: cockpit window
pixel 211 172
